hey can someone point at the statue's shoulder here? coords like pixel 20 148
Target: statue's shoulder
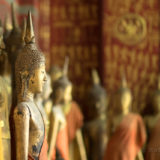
pixel 22 110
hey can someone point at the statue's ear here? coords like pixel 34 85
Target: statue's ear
pixel 24 75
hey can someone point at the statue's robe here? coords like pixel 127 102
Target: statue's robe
pixel 127 140
pixel 43 153
pixel 74 120
pixel 27 117
pixel 66 135
pixel 62 136
pixel 153 147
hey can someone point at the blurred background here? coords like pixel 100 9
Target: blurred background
pixel 112 36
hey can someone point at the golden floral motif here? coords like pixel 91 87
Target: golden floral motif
pixel 130 29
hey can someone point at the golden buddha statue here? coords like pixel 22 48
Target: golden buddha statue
pixel 95 132
pixel 4 102
pixel 70 117
pixel 127 129
pixel 29 128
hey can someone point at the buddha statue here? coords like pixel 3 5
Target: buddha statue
pixel 55 73
pixel 4 103
pixel 153 127
pixel 127 129
pixel 14 40
pixel 71 116
pixel 95 128
pixel 29 128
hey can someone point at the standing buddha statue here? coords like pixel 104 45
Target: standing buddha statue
pixel 14 41
pixel 127 129
pixel 29 128
pixel 95 128
pixel 153 127
pixel 62 89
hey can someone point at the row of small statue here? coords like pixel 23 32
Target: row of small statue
pixel 46 123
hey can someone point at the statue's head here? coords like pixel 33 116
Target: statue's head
pixel 55 73
pixel 30 65
pixel 97 98
pixel 156 98
pixel 13 41
pixel 124 97
pixel 62 88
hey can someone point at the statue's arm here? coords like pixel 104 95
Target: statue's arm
pixel 21 121
pixel 53 131
pixel 81 145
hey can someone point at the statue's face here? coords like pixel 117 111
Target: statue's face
pixel 37 80
pixel 55 75
pixel 68 94
pixel 126 99
pixel 47 90
pixel 101 106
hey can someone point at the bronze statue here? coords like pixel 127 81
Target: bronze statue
pixel 95 132
pixel 153 127
pixel 127 134
pixel 14 40
pixel 30 141
pixel 71 117
pixel 4 102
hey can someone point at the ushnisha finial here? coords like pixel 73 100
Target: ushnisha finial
pixel 123 82
pixel 29 36
pixel 13 15
pixel 95 77
pixel 23 30
pixel 65 67
pixel 7 24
